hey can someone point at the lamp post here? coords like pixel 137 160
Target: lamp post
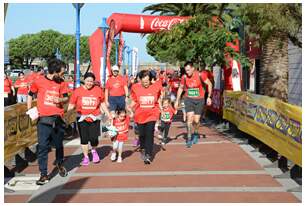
pixel 129 59
pixel 58 54
pixel 104 27
pixel 116 44
pixel 123 59
pixel 77 7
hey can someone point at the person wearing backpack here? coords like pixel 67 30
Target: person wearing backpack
pixel 192 83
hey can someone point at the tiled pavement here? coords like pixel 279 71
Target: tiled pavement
pixel 214 170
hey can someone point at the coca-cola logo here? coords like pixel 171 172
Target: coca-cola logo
pixel 159 24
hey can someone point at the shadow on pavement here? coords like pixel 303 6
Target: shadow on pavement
pixel 43 198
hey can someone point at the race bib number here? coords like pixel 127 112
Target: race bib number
pixel 146 101
pixel 165 117
pixel 50 95
pixel 89 102
pixel 193 92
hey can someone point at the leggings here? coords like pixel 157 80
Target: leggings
pixel 146 137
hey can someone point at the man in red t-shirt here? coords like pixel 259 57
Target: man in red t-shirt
pixel 116 91
pixel 192 83
pixel 22 85
pixel 51 95
pixel 9 90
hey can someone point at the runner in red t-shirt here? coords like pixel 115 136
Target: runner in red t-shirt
pixel 51 95
pixel 8 89
pixel 146 104
pixel 166 117
pixel 23 87
pixel 88 101
pixel 121 122
pixel 116 91
pixel 192 83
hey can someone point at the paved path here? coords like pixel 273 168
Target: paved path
pixel 215 170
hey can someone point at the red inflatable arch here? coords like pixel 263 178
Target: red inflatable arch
pixel 119 23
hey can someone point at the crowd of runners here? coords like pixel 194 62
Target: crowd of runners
pixel 149 101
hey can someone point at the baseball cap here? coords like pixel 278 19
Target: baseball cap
pixel 115 68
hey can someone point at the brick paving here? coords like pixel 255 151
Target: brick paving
pixel 214 170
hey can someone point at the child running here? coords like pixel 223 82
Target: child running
pixel 166 117
pixel 121 122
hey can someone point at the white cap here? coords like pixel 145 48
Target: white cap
pixel 115 68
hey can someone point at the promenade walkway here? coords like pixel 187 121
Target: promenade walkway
pixel 217 169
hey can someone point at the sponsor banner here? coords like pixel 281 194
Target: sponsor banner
pixel 273 122
pixel 20 131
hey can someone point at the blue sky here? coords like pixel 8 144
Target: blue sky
pixel 33 17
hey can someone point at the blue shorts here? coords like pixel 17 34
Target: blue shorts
pixel 116 103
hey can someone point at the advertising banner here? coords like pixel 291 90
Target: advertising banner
pixel 273 122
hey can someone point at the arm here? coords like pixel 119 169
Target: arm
pixel 178 96
pixel 63 99
pixel 70 107
pixel 104 109
pixel 29 101
pixel 209 84
pixel 13 90
pixel 106 97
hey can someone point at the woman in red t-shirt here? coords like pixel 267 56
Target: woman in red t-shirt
pixel 89 103
pixel 146 104
pixel 121 122
pixel 23 88
pixel 8 89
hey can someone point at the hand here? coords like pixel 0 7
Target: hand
pixel 208 102
pixel 131 114
pixel 106 103
pixel 56 100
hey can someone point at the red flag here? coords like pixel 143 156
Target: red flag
pixel 96 52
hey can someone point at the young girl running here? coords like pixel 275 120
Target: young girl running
pixel 166 117
pixel 121 122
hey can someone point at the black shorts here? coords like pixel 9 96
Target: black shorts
pixel 89 132
pixel 194 105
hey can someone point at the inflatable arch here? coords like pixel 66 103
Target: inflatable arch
pixel 119 22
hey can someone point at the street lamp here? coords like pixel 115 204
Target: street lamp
pixel 104 27
pixel 123 59
pixel 77 7
pixel 116 39
pixel 129 50
pixel 58 54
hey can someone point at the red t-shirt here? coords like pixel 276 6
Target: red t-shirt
pixel 174 84
pixel 193 87
pixel 70 86
pixel 122 127
pixel 7 85
pixel 146 99
pixel 87 101
pixel 167 114
pixel 47 90
pixel 115 86
pixel 31 77
pixel 23 86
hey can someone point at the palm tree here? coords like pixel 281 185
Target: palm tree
pixel 275 24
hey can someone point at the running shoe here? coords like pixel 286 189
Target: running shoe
pixel 147 159
pixel 119 160
pixel 85 161
pixel 135 142
pixel 61 170
pixel 43 180
pixel 113 156
pixel 95 156
pixel 188 143
pixel 195 138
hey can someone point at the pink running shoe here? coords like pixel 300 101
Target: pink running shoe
pixel 95 156
pixel 135 142
pixel 85 161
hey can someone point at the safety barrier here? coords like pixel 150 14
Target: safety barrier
pixel 273 122
pixel 20 131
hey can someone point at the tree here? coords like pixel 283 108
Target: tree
pixel 197 39
pixel 43 45
pixel 275 24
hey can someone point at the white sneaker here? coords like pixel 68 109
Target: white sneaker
pixel 119 160
pixel 113 156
